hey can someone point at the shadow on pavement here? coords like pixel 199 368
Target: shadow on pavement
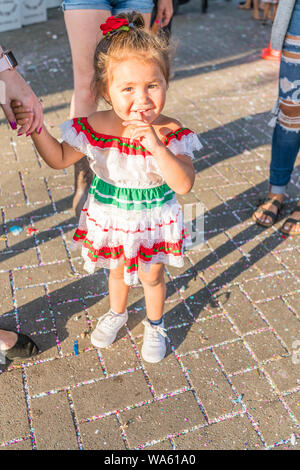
pixel 211 295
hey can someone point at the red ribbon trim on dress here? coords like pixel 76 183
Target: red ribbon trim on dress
pixel 124 144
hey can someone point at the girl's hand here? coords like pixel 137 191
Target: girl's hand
pixel 22 114
pixel 145 133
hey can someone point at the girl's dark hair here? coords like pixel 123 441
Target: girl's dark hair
pixel 121 44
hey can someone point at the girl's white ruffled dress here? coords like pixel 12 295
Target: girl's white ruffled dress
pixel 131 216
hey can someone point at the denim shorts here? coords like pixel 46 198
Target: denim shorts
pixel 114 6
pixel 294 26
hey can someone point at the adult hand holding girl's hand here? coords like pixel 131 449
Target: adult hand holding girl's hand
pixel 23 115
pixel 145 133
pixel 17 89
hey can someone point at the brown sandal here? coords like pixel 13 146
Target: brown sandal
pixel 269 213
pixel 293 221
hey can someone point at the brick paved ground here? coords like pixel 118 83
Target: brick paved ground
pixel 230 379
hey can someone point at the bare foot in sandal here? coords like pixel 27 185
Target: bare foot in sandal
pixel 256 15
pixel 260 215
pixel 246 6
pixel 292 225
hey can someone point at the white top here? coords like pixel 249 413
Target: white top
pixel 120 161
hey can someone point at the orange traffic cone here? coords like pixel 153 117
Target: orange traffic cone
pixel 270 54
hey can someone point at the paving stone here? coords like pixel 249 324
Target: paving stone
pixel 201 334
pixel 60 431
pixel 14 418
pixel 102 434
pixel 165 376
pixel 294 301
pixel 293 402
pixel 235 434
pixel 119 356
pixel 269 287
pixel 52 247
pixel 283 373
pixel 72 325
pixel 263 405
pixel 235 357
pixel 242 312
pixel 33 310
pixel 6 300
pixel 41 274
pixel 265 345
pixel 283 320
pixel 211 386
pixel 17 259
pixel 97 399
pixel 61 373
pixel 166 416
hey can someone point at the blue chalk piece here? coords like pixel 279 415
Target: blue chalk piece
pixel 238 400
pixel 76 348
pixel 15 230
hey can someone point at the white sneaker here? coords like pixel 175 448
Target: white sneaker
pixel 154 346
pixel 107 328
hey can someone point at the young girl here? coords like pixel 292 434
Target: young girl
pixel 131 222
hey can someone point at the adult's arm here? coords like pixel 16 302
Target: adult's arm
pixel 16 88
pixel 164 12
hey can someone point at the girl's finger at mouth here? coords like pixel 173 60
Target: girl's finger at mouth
pixel 134 122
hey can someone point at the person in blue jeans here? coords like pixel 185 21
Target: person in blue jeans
pixel 83 19
pixel 286 136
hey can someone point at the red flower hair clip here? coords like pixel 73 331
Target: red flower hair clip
pixel 113 25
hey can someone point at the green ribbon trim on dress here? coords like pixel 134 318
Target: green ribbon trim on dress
pixel 130 198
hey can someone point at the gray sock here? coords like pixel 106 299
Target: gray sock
pixel 277 189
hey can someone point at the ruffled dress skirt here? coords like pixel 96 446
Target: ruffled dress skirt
pixel 133 227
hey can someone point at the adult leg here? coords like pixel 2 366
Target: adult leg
pixel 16 346
pixel 266 12
pixel 83 28
pixel 286 135
pixel 246 6
pixel 285 147
pixel 7 339
pixel 255 13
pixel 275 6
pixel 82 49
pixel 83 102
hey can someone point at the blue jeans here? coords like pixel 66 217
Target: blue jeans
pixel 114 6
pixel 286 136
